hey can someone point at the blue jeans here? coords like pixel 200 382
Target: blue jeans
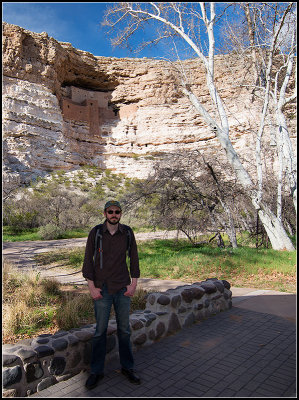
pixel 102 309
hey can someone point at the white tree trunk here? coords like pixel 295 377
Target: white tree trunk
pixel 231 231
pixel 273 226
pixel 279 182
pixel 275 231
pixel 283 138
pixel 288 157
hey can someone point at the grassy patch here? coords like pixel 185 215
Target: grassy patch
pixel 28 234
pixel 179 260
pixel 75 311
pixel 70 257
pixel 32 305
pixel 241 267
pixel 32 234
pixel 29 303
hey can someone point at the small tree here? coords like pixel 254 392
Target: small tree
pixel 10 185
pixel 188 192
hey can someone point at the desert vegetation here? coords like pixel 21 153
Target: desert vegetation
pixel 224 238
pixel 33 305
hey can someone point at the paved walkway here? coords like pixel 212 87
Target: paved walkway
pixel 247 351
pixel 242 352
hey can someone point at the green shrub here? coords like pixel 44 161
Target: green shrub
pixel 50 231
pixel 20 221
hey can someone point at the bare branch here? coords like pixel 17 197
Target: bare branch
pixel 178 20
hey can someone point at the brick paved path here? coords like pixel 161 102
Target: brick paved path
pixel 237 353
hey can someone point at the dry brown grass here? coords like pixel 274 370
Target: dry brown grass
pixel 75 311
pixel 28 302
pixel 32 306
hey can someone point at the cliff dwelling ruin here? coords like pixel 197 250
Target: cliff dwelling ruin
pixel 92 107
pixel 64 108
pixel 87 106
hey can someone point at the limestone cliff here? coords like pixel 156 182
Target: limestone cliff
pixel 64 108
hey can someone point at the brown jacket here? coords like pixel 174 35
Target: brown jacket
pixel 115 271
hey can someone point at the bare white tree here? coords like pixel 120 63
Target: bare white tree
pixel 271 39
pixel 183 21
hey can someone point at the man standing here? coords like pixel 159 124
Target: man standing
pixel 108 278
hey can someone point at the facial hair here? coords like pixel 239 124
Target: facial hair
pixel 113 220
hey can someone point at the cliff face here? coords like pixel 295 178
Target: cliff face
pixel 64 108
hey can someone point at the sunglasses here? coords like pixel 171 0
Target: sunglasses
pixel 115 212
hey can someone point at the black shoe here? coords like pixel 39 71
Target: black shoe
pixel 93 380
pixel 130 374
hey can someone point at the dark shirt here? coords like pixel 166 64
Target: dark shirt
pixel 115 273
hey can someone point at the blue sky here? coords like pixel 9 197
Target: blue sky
pixel 77 23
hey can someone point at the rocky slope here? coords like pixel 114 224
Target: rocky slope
pixel 64 108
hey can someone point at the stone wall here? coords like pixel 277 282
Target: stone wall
pixel 48 359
